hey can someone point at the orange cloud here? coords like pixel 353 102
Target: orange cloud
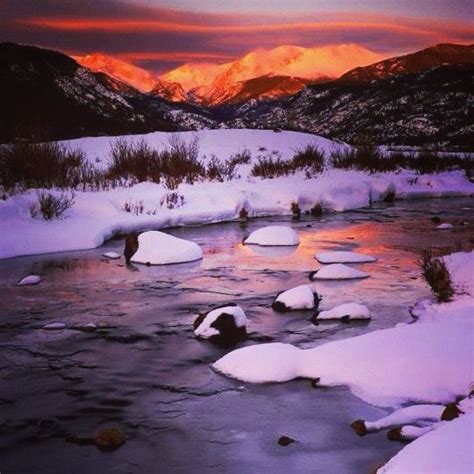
pixel 175 56
pixel 116 25
pixel 430 30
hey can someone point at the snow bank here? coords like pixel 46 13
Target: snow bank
pixel 158 248
pixel 30 280
pixel 300 297
pixel 97 216
pixel 274 235
pixel 347 311
pixel 338 271
pixel 207 327
pixel 343 257
pixel 409 363
pixel 447 449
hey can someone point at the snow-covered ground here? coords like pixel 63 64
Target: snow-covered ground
pixel 428 362
pixel 96 216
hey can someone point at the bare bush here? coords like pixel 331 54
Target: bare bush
pixel 437 275
pixel 268 167
pixel 51 206
pixel 172 200
pixel 136 161
pixel 241 158
pixel 180 162
pixel 310 158
pixel 45 165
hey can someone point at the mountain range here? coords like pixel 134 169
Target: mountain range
pixel 217 84
pixel 420 98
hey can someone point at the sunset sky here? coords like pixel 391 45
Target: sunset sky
pixel 161 35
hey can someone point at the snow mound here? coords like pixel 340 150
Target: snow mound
pixel 429 363
pixel 30 280
pixel 346 312
pixel 158 248
pixel 274 235
pixel 213 323
pixel 338 271
pixel 343 257
pixel 278 362
pixel 111 255
pixel 444 226
pixel 447 449
pixel 300 297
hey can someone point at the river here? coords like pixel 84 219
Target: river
pixel 143 372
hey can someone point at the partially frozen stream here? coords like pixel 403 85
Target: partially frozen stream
pixel 143 372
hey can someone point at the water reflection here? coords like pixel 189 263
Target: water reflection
pixel 270 251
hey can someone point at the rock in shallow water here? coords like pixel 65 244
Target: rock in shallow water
pixel 298 298
pixel 158 248
pixel 345 312
pixel 285 440
pixel 111 255
pixel 344 257
pixel 444 226
pixel 224 325
pixel 54 326
pixel 30 280
pixel 275 235
pixel 110 439
pixel 337 271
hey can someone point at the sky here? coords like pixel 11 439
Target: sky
pixel 163 34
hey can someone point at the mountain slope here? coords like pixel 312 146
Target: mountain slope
pixel 171 91
pixel 47 93
pixel 215 84
pixel 133 75
pixel 435 56
pixel 262 88
pixel 429 107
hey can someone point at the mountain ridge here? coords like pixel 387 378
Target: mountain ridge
pixel 433 105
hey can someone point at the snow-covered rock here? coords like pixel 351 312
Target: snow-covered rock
pixel 111 255
pixel 346 312
pixel 446 450
pixel 416 414
pixel 340 256
pixel 300 297
pixel 87 327
pixel 455 409
pixel 223 325
pixel 274 235
pixel 337 271
pixel 54 326
pixel 30 280
pixel 444 226
pixel 158 248
pixel 411 432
